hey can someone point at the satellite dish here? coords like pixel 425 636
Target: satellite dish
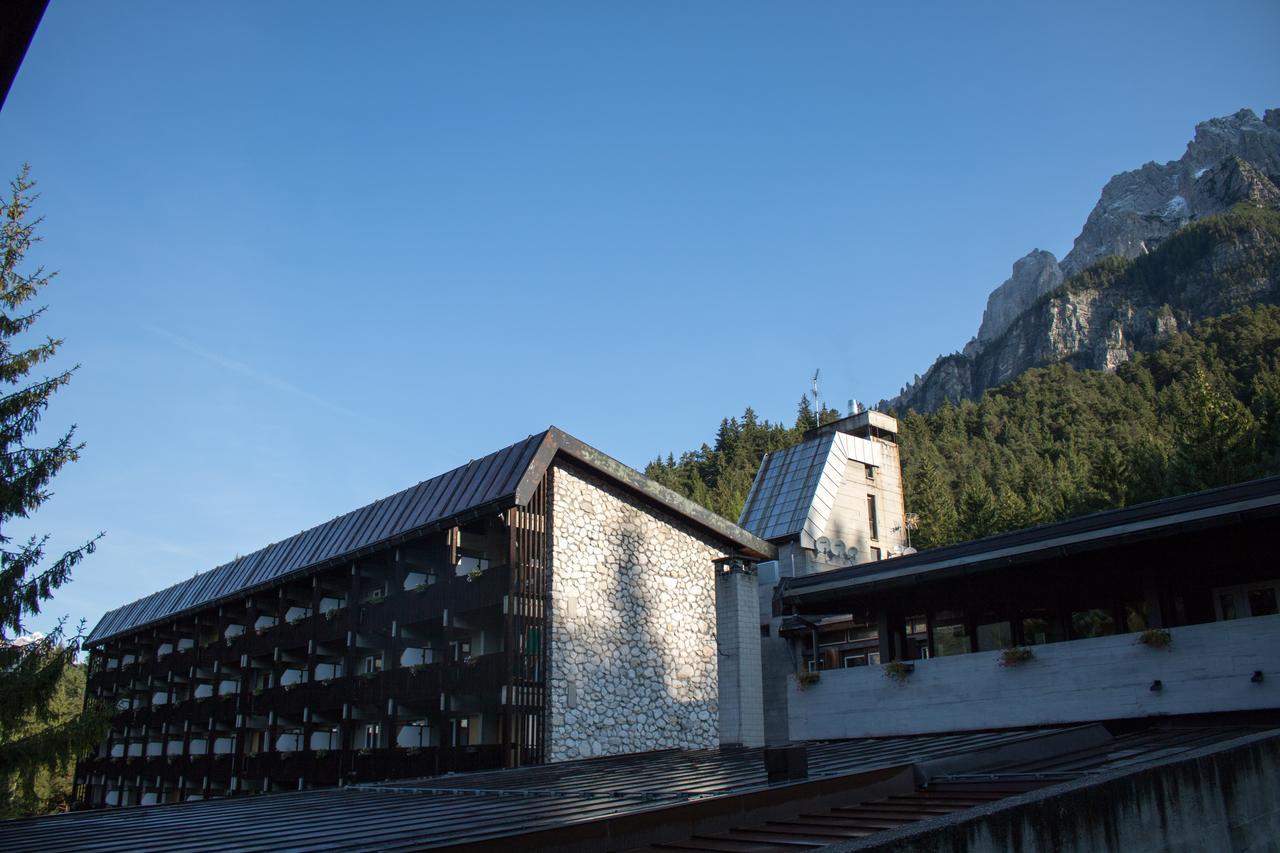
pixel 838 548
pixel 823 545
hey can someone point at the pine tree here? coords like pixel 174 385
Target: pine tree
pixel 34 736
pixel 929 498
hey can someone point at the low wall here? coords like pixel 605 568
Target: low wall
pixel 1225 797
pixel 1206 669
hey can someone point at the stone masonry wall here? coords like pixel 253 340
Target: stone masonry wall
pixel 633 660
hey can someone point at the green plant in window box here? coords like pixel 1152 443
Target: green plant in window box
pixel 1156 638
pixel 898 670
pixel 475 574
pixel 364 752
pixel 805 678
pixel 320 753
pixel 1016 655
pixel 413 750
pixel 422 587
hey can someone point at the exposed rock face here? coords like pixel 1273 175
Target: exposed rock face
pixel 1138 209
pixel 1034 275
pixel 633 637
pixel 1230 160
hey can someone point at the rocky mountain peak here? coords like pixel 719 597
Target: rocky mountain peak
pixel 1034 275
pixel 1231 159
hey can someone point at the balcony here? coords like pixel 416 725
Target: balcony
pixel 485 674
pixel 1208 668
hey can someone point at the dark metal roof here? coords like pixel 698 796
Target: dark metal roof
pixel 502 479
pixel 470 807
pixel 1224 505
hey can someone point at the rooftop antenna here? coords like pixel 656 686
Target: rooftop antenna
pixel 817 413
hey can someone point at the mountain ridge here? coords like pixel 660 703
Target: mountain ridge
pixel 1230 161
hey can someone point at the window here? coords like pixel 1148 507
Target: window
pixel 373 663
pixel 1135 616
pixel 1262 602
pixel 1227 604
pixel 1096 622
pixel 950 636
pixel 371 733
pixel 872 521
pixel 871 472
pixel 875 554
pixel 994 635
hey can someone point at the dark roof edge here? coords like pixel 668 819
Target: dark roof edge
pixel 994 551
pixel 750 544
pixel 554 440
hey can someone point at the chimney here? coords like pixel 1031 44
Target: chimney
pixel 738 646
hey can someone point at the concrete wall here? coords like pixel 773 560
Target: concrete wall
pixel 1207 668
pixel 849 521
pixel 633 662
pixel 1215 799
pixel 739 672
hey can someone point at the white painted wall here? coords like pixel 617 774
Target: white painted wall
pixel 1207 669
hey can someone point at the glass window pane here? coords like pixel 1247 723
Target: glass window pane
pixel 949 634
pixel 1042 628
pixel 1262 602
pixel 1096 622
pixel 994 635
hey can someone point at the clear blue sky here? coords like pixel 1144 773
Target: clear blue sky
pixel 312 253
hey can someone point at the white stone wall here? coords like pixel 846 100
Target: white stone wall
pixel 633 637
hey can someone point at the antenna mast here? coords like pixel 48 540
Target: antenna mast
pixel 817 412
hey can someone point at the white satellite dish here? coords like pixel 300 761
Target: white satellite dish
pixel 838 548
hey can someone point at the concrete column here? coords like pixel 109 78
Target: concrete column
pixel 738 644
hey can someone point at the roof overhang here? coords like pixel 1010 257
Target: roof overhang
pixel 1202 510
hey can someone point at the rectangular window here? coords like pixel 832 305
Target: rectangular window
pixel 1042 626
pixel 371 733
pixel 872 521
pixel 1262 602
pixel 871 472
pixel 950 636
pixel 875 554
pixel 1097 622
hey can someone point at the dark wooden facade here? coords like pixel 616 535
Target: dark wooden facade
pixel 421 658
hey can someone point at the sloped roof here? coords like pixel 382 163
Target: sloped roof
pixel 502 479
pixel 795 488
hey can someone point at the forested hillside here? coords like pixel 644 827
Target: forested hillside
pixel 1201 410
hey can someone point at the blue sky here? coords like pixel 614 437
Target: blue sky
pixel 311 253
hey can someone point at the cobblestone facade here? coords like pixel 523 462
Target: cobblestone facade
pixel 633 638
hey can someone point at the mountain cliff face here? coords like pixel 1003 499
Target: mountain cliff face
pixel 1132 276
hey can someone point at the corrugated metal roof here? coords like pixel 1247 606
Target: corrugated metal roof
pixel 505 478
pixel 456 810
pixel 489 481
